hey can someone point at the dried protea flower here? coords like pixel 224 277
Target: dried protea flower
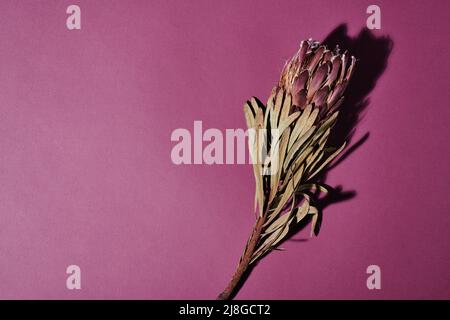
pixel 301 110
pixel 316 75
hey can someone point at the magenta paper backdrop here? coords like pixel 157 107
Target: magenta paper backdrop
pixel 86 176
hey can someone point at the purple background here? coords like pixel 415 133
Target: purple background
pixel 86 176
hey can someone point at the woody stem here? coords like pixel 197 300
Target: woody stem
pixel 228 292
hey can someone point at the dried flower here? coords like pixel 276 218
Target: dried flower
pixel 303 109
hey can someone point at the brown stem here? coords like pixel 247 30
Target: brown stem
pixel 245 260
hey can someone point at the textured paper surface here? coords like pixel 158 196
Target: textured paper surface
pixel 86 176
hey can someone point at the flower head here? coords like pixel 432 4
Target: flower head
pixel 318 76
